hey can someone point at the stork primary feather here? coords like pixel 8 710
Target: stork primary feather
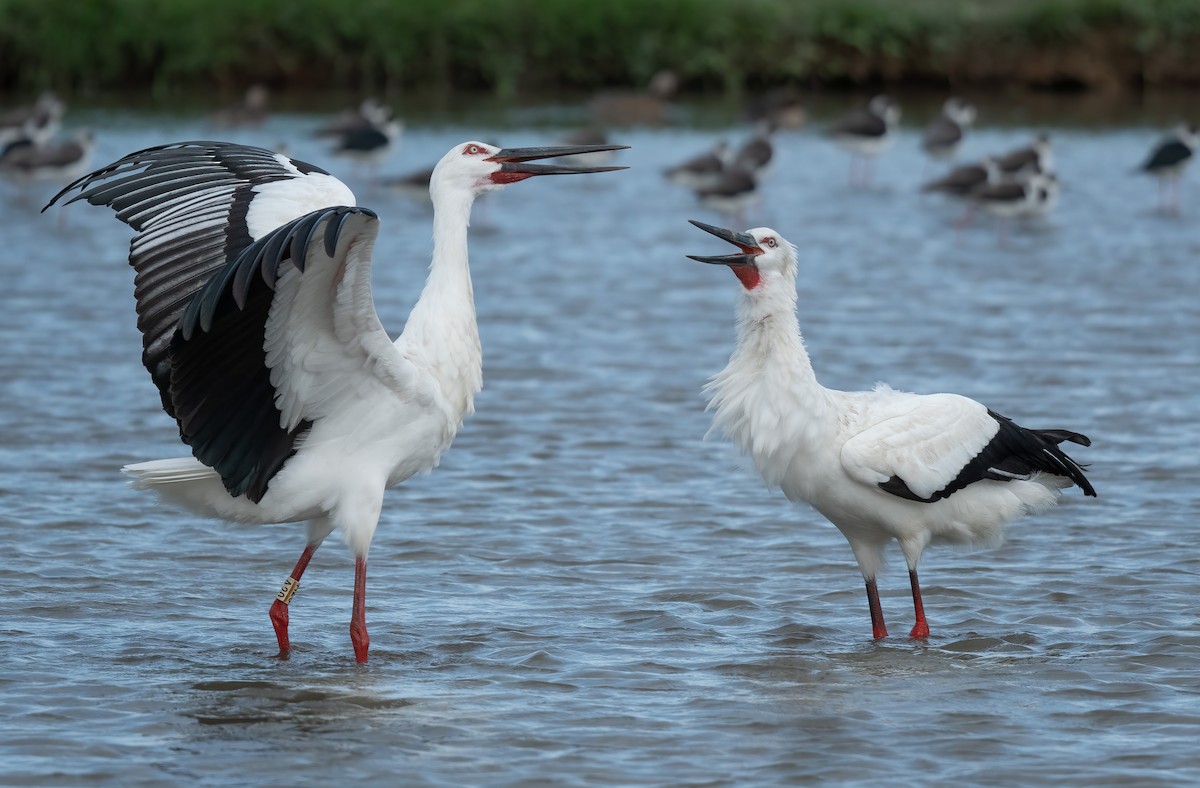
pixel 881 465
pixel 259 328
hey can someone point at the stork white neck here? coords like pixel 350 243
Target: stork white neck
pixel 767 399
pixel 441 333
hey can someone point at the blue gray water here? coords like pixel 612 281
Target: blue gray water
pixel 587 591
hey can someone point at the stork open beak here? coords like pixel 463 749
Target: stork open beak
pixel 515 160
pixel 745 241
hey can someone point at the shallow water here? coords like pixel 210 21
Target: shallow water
pixel 586 591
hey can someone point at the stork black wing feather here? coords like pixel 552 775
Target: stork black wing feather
pixel 188 201
pixel 1013 453
pixel 204 288
pixel 220 381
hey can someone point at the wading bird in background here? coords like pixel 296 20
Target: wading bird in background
pixel 880 464
pixel 702 171
pixel 732 193
pixel 253 110
pixel 370 143
pixel 259 329
pixel 36 123
pixel 1167 162
pixel 944 134
pixel 1033 159
pixel 755 154
pixel 371 112
pixel 866 132
pixel 1017 198
pixel 651 107
pixel 964 179
pixel 781 107
pixel 27 161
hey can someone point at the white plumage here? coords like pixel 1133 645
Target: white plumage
pixel 881 465
pixel 254 300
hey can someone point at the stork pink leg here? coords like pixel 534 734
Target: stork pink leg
pixel 279 609
pixel 878 630
pixel 358 618
pixel 921 627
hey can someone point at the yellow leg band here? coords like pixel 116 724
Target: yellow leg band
pixel 288 591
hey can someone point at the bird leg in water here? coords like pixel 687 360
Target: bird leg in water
pixel 921 628
pixel 878 630
pixel 358 618
pixel 279 609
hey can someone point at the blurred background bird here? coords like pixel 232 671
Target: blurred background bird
pixel 866 132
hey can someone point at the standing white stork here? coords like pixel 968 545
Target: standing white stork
pixel 259 329
pixel 881 464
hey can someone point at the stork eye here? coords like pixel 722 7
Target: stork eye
pixel 770 242
pixel 473 150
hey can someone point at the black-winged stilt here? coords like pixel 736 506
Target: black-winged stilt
pixel 866 132
pixel 944 134
pixel 1167 161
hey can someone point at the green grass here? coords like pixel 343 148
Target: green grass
pixel 508 46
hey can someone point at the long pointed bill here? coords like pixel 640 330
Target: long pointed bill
pixel 516 160
pixel 725 259
pixel 743 265
pixel 744 240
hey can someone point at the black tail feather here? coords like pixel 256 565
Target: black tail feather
pixel 1058 436
pixel 1037 450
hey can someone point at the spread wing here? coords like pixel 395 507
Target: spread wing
pixel 253 297
pixel 283 336
pixel 196 206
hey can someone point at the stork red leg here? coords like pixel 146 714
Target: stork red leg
pixel 921 627
pixel 358 618
pixel 279 609
pixel 878 630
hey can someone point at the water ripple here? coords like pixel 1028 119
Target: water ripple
pixel 586 592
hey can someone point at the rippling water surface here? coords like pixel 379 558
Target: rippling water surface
pixel 587 591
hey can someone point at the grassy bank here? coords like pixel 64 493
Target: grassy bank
pixel 512 45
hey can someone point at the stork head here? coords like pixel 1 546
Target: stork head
pixel 765 257
pixel 476 167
